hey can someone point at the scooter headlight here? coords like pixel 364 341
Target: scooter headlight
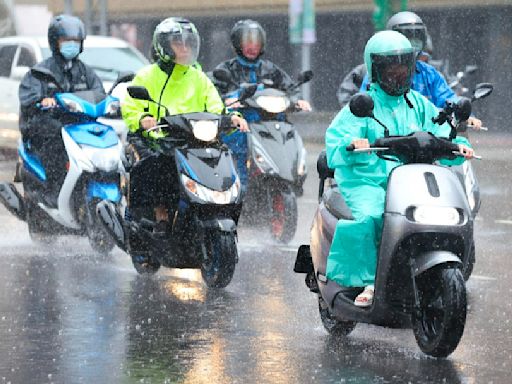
pixel 72 105
pixel 113 109
pixel 273 104
pixel 436 215
pixel 205 130
pixel 210 196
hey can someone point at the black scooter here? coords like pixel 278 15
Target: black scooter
pixel 203 233
pixel 427 233
pixel 277 157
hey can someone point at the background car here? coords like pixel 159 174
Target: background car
pixel 108 56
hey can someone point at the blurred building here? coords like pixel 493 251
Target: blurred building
pixel 465 31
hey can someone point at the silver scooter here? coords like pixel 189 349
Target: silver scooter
pixel 427 232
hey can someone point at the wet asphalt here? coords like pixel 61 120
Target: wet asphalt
pixel 68 315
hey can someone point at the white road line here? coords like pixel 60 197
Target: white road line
pixel 509 222
pixel 478 277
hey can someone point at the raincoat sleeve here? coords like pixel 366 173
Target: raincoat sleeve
pixel 134 110
pixel 441 130
pixel 351 84
pixel 30 91
pixel 343 130
pixel 213 102
pixel 441 91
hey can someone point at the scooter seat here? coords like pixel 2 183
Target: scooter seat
pixel 336 205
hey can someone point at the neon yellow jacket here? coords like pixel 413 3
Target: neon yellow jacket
pixel 186 90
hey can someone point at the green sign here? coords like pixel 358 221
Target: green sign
pixel 301 26
pixel 384 9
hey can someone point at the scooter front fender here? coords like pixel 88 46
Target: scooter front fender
pixel 430 259
pixel 223 225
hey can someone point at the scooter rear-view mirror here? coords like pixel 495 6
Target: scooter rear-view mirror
pixel 482 90
pixel 139 92
pixel 361 105
pixel 463 109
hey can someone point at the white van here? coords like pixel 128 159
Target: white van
pixel 108 56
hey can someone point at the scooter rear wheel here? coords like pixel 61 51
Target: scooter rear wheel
pixel 335 327
pixel 222 254
pixel 283 222
pixel 439 322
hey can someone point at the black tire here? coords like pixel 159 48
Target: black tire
pixel 39 224
pixel 99 239
pixel 335 327
pixel 467 270
pixel 283 217
pixel 221 257
pixel 145 265
pixel 439 323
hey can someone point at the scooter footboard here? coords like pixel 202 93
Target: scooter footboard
pixel 11 198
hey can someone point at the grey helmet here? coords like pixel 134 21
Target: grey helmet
pixel 175 31
pixel 65 27
pixel 411 26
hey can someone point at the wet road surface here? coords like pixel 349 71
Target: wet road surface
pixel 68 315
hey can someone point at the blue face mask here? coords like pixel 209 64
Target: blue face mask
pixel 70 49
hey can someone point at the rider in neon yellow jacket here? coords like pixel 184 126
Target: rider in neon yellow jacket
pixel 362 177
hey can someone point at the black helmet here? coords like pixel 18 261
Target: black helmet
pixel 411 26
pixel 67 27
pixel 176 30
pixel 247 30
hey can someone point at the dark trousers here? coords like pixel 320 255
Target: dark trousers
pixel 153 176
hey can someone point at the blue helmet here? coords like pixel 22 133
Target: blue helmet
pixel 67 27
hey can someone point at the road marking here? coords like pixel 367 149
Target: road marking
pixel 509 222
pixel 478 277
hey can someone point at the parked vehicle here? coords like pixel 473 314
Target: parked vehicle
pixel 426 238
pixel 108 56
pixel 93 171
pixel 277 157
pixel 203 233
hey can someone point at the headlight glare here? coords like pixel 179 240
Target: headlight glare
pixel 205 130
pixel 205 194
pixel 436 215
pixel 273 104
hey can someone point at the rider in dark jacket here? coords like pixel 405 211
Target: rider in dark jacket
pixel 248 39
pixel 65 38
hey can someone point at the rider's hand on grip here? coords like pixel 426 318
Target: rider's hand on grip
pixel 148 122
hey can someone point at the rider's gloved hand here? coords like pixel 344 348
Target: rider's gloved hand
pixel 475 123
pixel 240 123
pixel 48 102
pixel 360 143
pixel 304 105
pixel 232 102
pixel 466 151
pixel 148 122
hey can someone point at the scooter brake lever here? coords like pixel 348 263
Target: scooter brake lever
pixel 476 157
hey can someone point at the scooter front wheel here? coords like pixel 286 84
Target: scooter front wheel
pixel 39 225
pixel 335 327
pixel 439 322
pixel 218 267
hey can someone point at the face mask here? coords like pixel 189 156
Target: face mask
pixel 70 49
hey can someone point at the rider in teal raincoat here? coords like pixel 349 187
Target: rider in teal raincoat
pixel 362 177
